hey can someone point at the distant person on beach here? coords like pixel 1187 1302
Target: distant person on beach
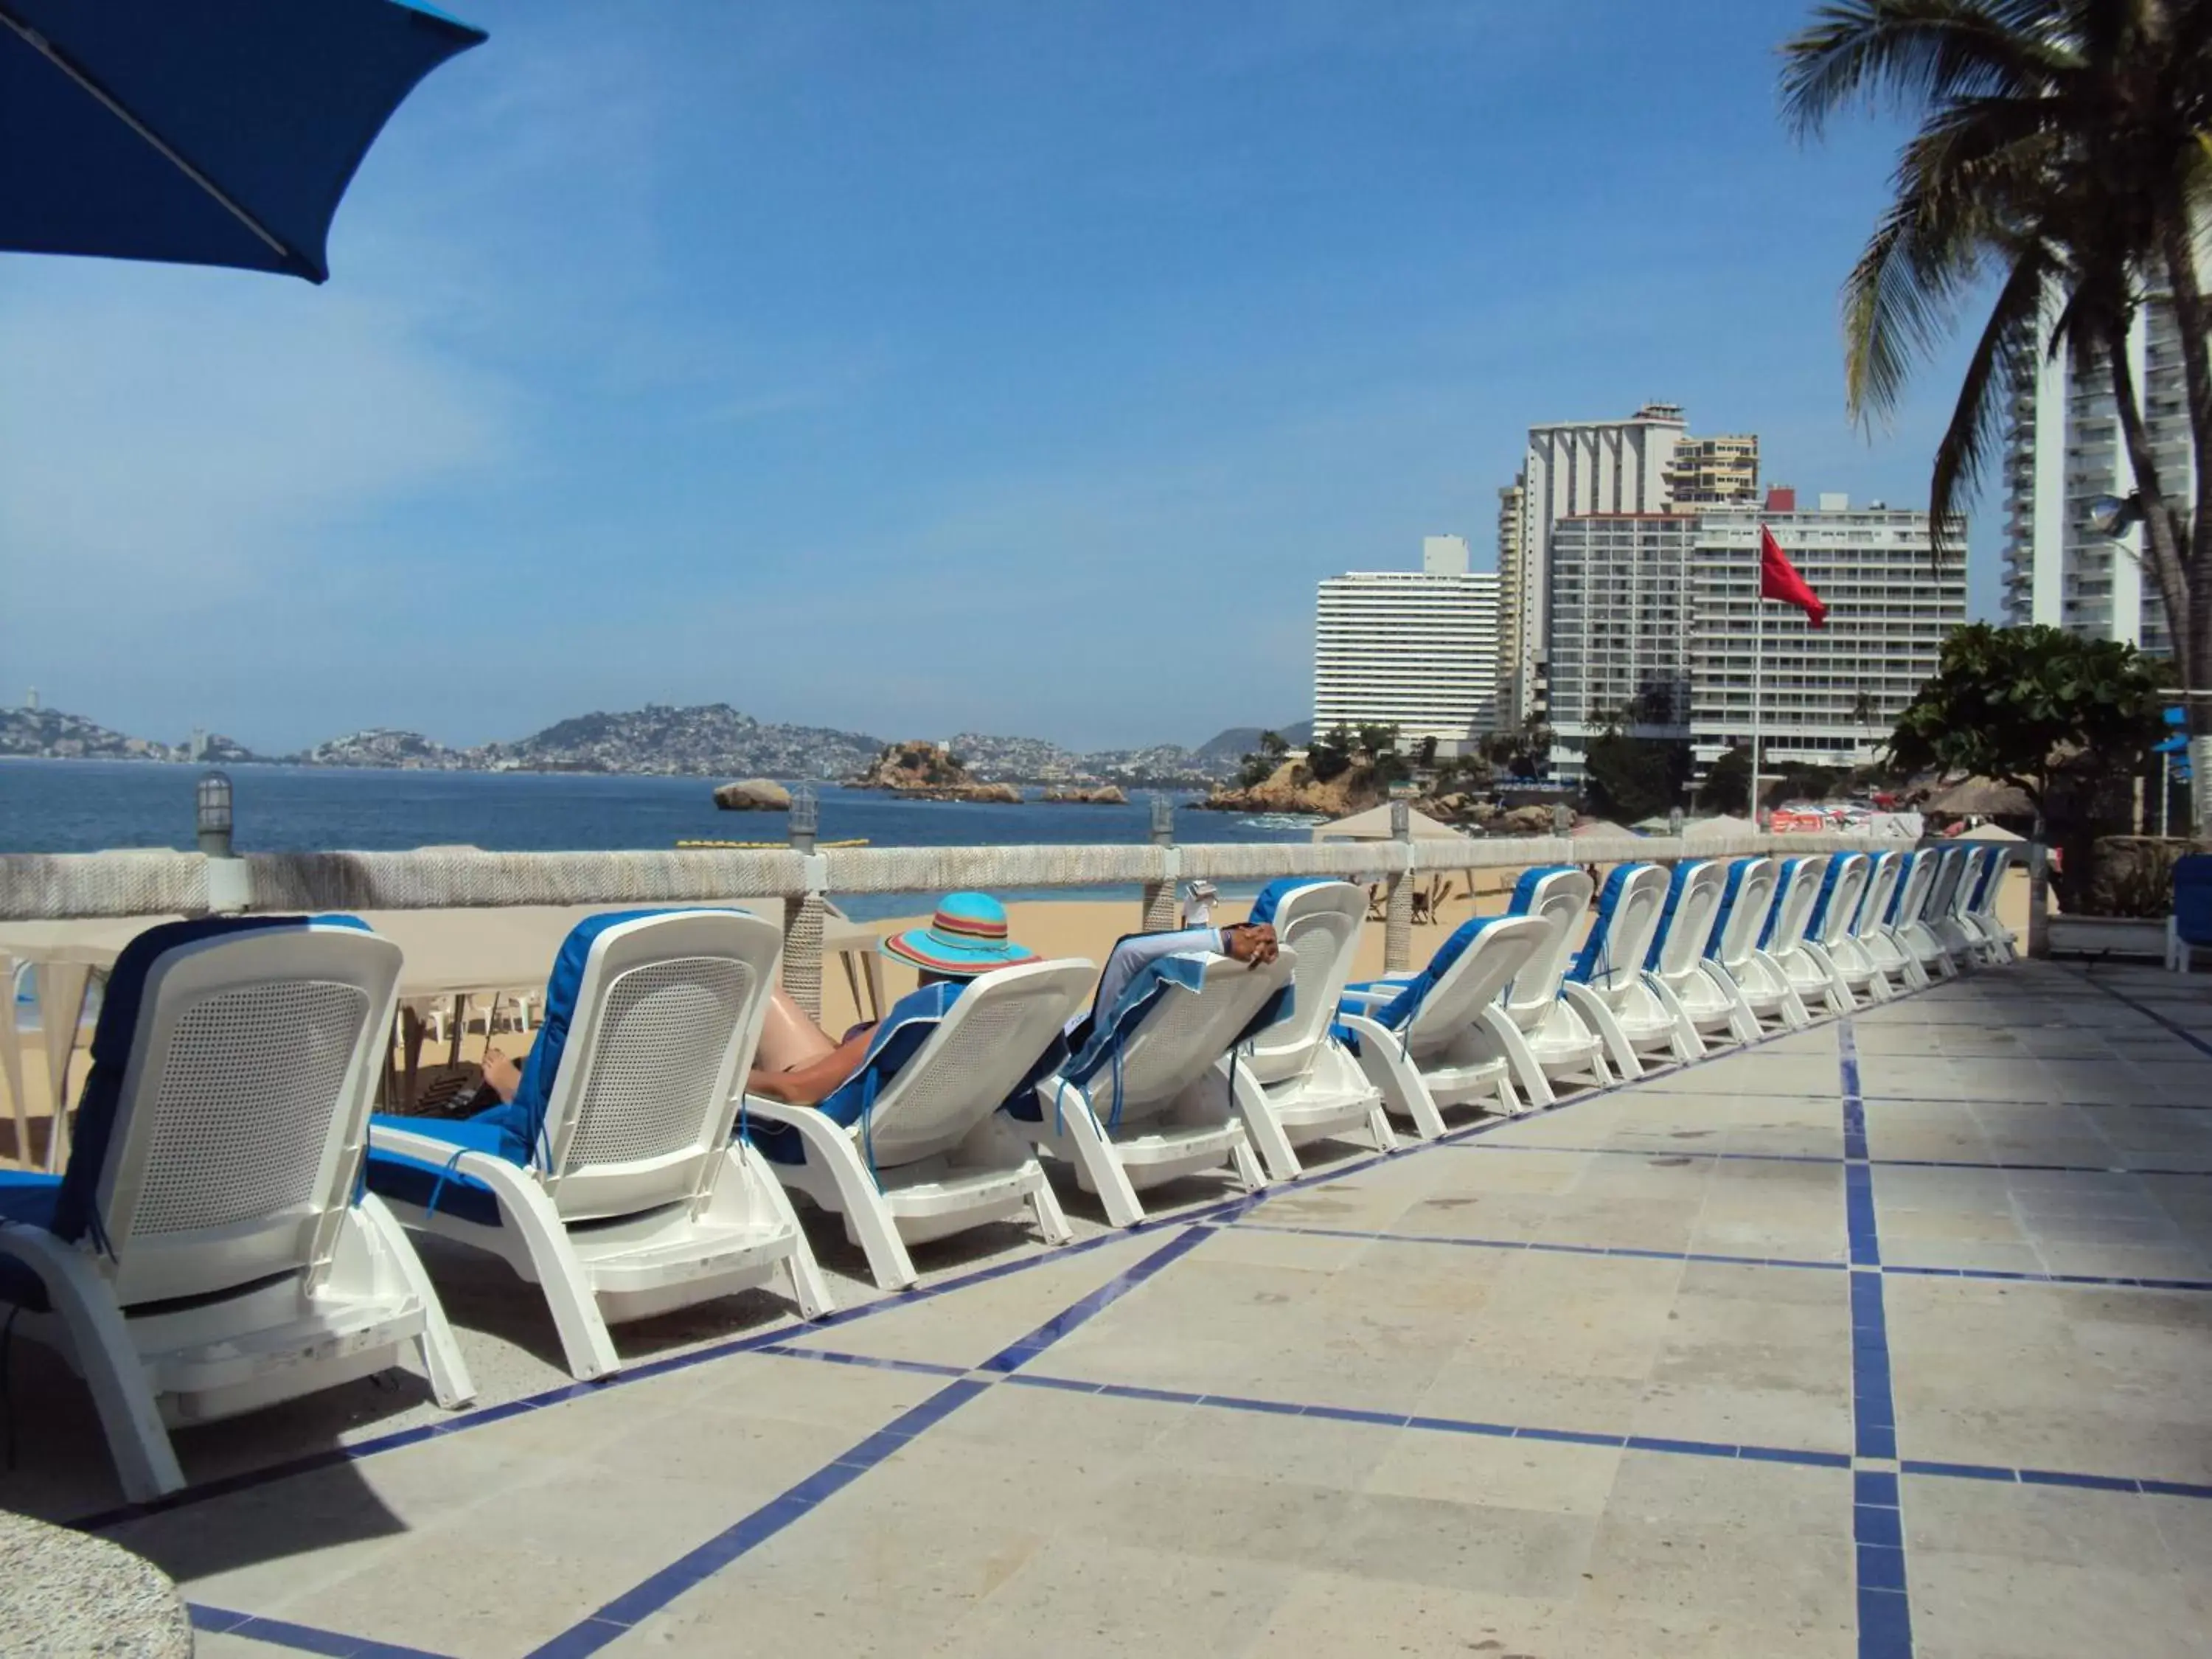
pixel 800 1064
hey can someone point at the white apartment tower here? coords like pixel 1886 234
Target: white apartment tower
pixel 1571 470
pixel 1414 649
pixel 2063 451
pixel 1619 643
pixel 1829 697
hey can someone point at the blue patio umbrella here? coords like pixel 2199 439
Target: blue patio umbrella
pixel 206 132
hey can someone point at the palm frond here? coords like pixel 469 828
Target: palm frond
pixel 1909 54
pixel 2005 353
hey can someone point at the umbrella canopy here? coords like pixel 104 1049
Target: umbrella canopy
pixel 1602 827
pixel 1715 829
pixel 201 132
pixel 1374 824
pixel 1987 832
pixel 1982 797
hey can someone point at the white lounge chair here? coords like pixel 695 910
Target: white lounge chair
pixel 612 1179
pixel 1865 965
pixel 1948 918
pixel 913 1148
pixel 2188 925
pixel 203 1253
pixel 1634 1013
pixel 1557 1042
pixel 1878 930
pixel 1713 995
pixel 1306 1084
pixel 1816 967
pixel 1915 926
pixel 1688 931
pixel 1766 989
pixel 1993 939
pixel 1442 1037
pixel 1150 1097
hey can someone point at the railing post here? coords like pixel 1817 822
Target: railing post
pixel 230 889
pixel 803 915
pixel 1398 915
pixel 2038 897
pixel 1160 895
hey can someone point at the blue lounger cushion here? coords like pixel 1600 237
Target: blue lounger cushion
pixel 1596 956
pixel 1738 869
pixel 1818 919
pixel 440 1186
pixel 899 1036
pixel 1793 872
pixel 27 1200
pixel 1676 884
pixel 2192 898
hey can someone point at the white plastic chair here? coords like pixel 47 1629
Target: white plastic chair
pixel 1162 1104
pixel 1557 1041
pixel 1880 931
pixel 1992 937
pixel 1307 1084
pixel 1947 917
pixel 1634 1013
pixel 204 1253
pixel 631 1197
pixel 1677 958
pixel 927 1153
pixel 1915 926
pixel 1453 1042
pixel 1818 967
pixel 1711 994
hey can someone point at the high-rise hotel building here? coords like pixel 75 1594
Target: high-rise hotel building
pixel 2063 451
pixel 1641 466
pixel 1414 649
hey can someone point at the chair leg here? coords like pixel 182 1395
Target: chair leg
pixel 1397 1078
pixel 1601 1019
pixel 1044 1205
pixel 1242 1159
pixel 1514 1042
pixel 450 1385
pixel 1267 1135
pixel 808 1288
pixel 145 1462
pixel 1687 1042
pixel 1094 1152
pixel 584 1341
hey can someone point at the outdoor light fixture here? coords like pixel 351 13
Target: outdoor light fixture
pixel 2113 516
pixel 1163 821
pixel 805 820
pixel 213 816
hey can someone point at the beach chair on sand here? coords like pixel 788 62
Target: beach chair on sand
pixel 2188 929
pixel 1993 940
pixel 1634 1013
pixel 1442 1037
pixel 1305 1084
pixel 612 1179
pixel 1813 967
pixel 1759 990
pixel 1677 959
pixel 204 1255
pixel 1150 1096
pixel 913 1147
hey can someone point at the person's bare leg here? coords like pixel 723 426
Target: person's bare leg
pixel 789 1039
pixel 501 1076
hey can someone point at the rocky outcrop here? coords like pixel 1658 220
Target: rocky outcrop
pixel 1106 794
pixel 929 771
pixel 1294 789
pixel 753 795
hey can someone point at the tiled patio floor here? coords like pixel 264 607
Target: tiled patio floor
pixel 1892 1336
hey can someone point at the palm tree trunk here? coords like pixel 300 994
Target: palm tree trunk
pixel 2191 624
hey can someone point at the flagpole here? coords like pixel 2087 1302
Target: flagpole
pixel 1758 666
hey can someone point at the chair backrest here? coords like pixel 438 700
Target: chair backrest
pixel 1180 1036
pixel 1949 861
pixel 1558 894
pixel 1990 881
pixel 1495 952
pixel 1838 906
pixel 2192 898
pixel 1746 901
pixel 665 1011
pixel 222 1129
pixel 1880 888
pixel 1686 926
pixel 1621 933
pixel 1910 896
pixel 1796 890
pixel 1319 921
pixel 1968 881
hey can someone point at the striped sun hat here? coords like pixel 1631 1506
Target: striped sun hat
pixel 967 936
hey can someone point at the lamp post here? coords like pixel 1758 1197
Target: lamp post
pixel 804 821
pixel 1159 899
pixel 212 815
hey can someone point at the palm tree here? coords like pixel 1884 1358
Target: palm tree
pixel 2064 153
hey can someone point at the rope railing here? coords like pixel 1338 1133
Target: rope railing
pixel 56 887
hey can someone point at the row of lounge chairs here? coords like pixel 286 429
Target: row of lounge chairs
pixel 234 1225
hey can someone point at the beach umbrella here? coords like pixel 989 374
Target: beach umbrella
pixel 1374 824
pixel 203 132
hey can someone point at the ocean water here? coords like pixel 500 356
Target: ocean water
pixel 83 807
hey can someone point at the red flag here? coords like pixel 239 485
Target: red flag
pixel 1779 580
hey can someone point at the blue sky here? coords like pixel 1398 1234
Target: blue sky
pixel 982 365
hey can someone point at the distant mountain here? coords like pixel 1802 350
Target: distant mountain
pixel 1229 747
pixel 710 740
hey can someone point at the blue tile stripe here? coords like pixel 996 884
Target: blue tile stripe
pixel 1688 1154
pixel 1885 1608
pixel 301 1639
pixel 2149 1012
pixel 613 1620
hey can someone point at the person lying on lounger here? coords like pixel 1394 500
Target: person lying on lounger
pixel 1253 944
pixel 800 1064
